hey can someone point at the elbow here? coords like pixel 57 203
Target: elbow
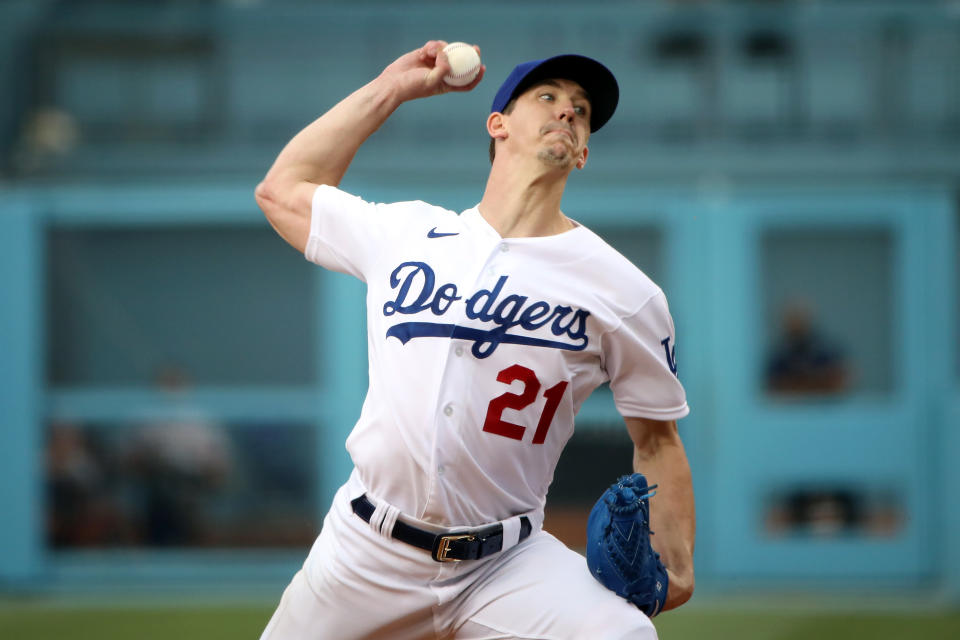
pixel 266 197
pixel 273 201
pixel 287 209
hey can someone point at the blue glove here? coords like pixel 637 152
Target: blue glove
pixel 619 554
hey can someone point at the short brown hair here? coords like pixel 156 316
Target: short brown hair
pixel 493 141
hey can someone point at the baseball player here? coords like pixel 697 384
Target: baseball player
pixel 487 330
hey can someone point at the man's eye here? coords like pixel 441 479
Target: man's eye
pixel 546 96
pixel 580 111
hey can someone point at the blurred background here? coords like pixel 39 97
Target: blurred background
pixel 176 384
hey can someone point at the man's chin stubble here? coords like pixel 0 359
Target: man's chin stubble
pixel 560 160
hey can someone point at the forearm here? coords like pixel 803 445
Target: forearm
pixel 321 153
pixel 660 456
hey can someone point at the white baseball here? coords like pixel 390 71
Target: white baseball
pixel 464 64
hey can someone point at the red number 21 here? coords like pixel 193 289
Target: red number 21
pixel 494 423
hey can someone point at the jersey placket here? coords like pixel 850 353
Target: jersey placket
pixel 453 400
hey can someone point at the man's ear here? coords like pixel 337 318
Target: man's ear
pixel 581 163
pixel 496 126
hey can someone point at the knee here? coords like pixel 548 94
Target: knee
pixel 647 632
pixel 633 626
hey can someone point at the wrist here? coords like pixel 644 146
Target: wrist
pixel 679 588
pixel 385 94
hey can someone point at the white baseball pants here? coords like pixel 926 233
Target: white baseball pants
pixel 359 585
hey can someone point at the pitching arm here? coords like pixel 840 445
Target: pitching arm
pixel 659 455
pixel 321 153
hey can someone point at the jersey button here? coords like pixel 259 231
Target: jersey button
pixel 504 248
pixel 448 410
pixel 440 470
pixel 458 350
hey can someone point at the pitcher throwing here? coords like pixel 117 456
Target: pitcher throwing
pixel 487 330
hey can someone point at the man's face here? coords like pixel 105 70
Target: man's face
pixel 553 118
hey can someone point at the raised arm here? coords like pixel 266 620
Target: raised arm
pixel 659 455
pixel 321 153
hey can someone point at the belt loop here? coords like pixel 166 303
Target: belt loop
pixel 389 521
pixel 511 532
pixel 383 519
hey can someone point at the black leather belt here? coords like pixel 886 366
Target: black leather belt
pixel 469 544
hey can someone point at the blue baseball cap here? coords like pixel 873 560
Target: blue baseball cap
pixel 595 79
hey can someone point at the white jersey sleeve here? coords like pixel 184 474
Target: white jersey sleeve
pixel 639 358
pixel 349 234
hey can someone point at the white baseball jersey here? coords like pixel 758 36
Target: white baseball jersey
pixel 482 349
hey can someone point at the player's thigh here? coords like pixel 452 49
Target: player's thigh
pixel 543 590
pixel 305 614
pixel 356 586
pixel 298 615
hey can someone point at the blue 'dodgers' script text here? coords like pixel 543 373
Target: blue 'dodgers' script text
pixel 417 291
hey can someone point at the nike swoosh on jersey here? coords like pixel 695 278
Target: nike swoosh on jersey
pixel 433 233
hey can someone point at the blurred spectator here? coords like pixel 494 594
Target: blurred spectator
pixel 181 462
pixel 179 480
pixel 825 513
pixel 48 133
pixel 803 361
pixel 80 511
pixel 834 510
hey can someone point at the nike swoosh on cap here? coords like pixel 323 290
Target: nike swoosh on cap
pixel 433 233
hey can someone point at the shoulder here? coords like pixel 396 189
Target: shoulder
pixel 630 290
pixel 418 209
pixel 328 196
